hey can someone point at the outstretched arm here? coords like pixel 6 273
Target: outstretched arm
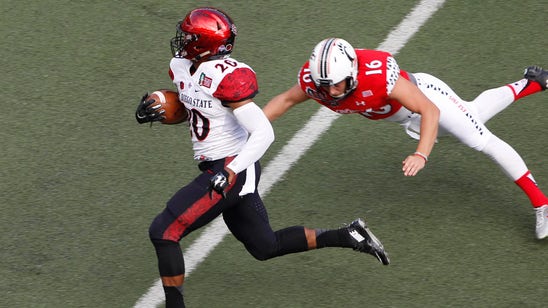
pixel 411 97
pixel 281 103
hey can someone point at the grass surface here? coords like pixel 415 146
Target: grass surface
pixel 81 181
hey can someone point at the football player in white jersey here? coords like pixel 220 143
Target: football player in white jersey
pixel 371 83
pixel 230 133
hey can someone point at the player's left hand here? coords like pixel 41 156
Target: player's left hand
pixel 413 164
pixel 218 183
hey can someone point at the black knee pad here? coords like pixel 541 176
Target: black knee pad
pixel 288 240
pixel 170 257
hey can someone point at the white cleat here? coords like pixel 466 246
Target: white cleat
pixel 542 221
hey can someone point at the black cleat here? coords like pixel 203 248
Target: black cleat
pixel 366 242
pixel 536 73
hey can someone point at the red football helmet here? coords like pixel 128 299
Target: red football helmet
pixel 203 34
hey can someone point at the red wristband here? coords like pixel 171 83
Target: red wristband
pixel 421 155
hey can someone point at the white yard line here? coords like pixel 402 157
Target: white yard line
pixel 290 153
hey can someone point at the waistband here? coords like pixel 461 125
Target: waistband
pixel 214 165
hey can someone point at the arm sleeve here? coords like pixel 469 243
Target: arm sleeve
pixel 261 136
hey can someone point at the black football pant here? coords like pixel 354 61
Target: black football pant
pixel 246 217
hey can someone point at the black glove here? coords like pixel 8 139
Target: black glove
pixel 147 111
pixel 218 183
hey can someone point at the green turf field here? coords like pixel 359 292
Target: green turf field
pixel 80 180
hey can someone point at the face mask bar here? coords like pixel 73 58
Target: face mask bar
pixel 180 41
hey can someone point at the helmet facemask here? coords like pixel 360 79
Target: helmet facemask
pixel 180 41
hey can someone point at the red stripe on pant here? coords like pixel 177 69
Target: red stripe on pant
pixel 199 208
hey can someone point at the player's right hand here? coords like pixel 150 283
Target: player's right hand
pixel 147 112
pixel 218 183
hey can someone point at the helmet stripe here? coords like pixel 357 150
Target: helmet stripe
pixel 324 59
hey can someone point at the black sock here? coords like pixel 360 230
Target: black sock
pixel 174 297
pixel 333 238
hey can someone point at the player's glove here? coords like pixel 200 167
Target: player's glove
pixel 218 183
pixel 147 111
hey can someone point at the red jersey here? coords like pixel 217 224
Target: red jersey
pixel 377 74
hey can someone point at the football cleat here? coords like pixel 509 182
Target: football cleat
pixel 542 221
pixel 366 242
pixel 536 73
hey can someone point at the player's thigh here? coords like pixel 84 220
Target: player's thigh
pixel 187 210
pixel 457 118
pixel 463 124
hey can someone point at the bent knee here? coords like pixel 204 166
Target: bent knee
pixel 262 254
pixel 159 226
pixel 481 142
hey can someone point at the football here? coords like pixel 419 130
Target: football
pixel 174 111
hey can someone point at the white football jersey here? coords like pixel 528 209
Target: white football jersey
pixel 214 129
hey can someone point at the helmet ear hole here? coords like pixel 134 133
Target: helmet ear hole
pixel 350 83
